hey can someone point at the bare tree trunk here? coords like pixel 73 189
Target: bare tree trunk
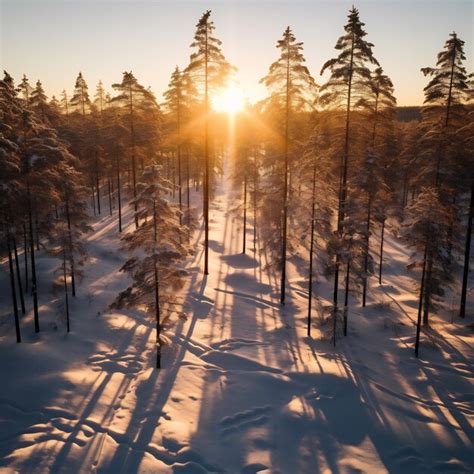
pixel 206 159
pixel 244 244
pixel 18 276
pixel 33 263
pixel 97 183
pixel 467 254
pixel 12 284
pixel 382 236
pixel 367 249
pixel 346 296
pixel 119 198
pixel 66 299
pixel 25 255
pixel 420 304
pixel 109 190
pixel 285 188
pixel 311 248
pixel 71 248
pixel 255 188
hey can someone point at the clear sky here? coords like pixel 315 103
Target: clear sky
pixel 52 40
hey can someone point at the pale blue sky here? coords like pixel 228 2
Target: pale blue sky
pixel 52 40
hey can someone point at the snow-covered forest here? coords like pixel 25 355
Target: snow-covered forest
pixel 201 283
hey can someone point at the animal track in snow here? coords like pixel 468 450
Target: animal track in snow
pixel 244 419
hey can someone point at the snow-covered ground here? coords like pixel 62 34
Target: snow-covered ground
pixel 242 389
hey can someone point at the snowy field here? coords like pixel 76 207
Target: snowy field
pixel 243 389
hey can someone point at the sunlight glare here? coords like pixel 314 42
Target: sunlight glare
pixel 230 100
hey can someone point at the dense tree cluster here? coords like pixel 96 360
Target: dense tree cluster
pixel 322 169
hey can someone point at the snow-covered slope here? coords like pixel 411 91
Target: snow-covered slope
pixel 243 389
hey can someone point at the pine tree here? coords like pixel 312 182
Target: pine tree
pixel 25 89
pixel 443 115
pixel 80 99
pixel 157 260
pixel 175 103
pixel 133 99
pixel 209 69
pixel 291 88
pixel 382 114
pixel 348 87
pixel 428 219
pixel 39 101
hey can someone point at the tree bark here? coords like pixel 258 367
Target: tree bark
pixel 382 236
pixel 66 299
pixel 18 275
pixel 33 263
pixel 12 284
pixel 420 304
pixel 467 254
pixel 244 244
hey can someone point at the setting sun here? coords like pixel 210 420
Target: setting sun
pixel 230 100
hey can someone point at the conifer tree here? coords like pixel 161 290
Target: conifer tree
pixel 347 89
pixel 157 253
pixel 39 101
pixel 174 107
pixel 25 89
pixel 210 71
pixel 443 115
pixel 80 99
pixel 291 89
pixel 133 99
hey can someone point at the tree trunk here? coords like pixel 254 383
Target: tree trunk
pixel 429 271
pixel 244 244
pixel 109 190
pixel 133 163
pixel 97 183
pixel 420 304
pixel 366 250
pixel 18 276
pixel 12 284
pixel 25 255
pixel 65 291
pixel 71 248
pixel 33 263
pixel 311 249
pixel 255 178
pixel 119 198
pixel 206 160
pixel 467 254
pixel 285 188
pixel 346 296
pixel 382 236
pixel 157 293
pixel 343 180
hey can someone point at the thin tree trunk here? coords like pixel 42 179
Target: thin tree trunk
pixel 255 178
pixel 420 304
pixel 244 244
pixel 71 248
pixel 346 295
pixel 33 263
pixel 157 292
pixel 206 159
pixel 134 171
pixel 18 276
pixel 119 198
pixel 429 271
pixel 285 188
pixel 97 184
pixel 367 248
pixel 25 255
pixel 311 248
pixel 12 284
pixel 109 190
pixel 66 299
pixel 343 181
pixel 467 254
pixel 382 236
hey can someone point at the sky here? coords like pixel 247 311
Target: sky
pixel 53 40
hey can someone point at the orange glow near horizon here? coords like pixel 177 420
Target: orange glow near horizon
pixel 230 100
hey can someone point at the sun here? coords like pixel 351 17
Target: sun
pixel 230 100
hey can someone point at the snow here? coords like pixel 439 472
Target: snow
pixel 243 389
